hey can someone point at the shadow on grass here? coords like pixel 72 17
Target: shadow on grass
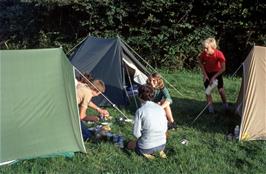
pixel 185 112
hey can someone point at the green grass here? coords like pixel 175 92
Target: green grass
pixel 207 151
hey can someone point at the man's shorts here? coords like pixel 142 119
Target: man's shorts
pixel 86 133
pixel 219 78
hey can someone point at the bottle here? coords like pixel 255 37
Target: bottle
pixel 236 132
pixel 98 132
pixel 210 87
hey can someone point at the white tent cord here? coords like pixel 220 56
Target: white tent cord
pixel 200 113
pixel 149 65
pixel 237 70
pixel 132 90
pixel 173 87
pixel 113 105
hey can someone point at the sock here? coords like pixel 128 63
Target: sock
pixel 210 109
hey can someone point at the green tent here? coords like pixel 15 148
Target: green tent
pixel 38 109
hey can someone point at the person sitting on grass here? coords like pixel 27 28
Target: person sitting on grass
pixel 150 126
pixel 85 92
pixel 162 97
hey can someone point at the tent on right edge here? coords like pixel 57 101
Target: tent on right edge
pixel 251 101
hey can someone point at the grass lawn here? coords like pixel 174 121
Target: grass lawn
pixel 208 151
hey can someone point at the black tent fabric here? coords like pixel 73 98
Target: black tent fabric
pixel 103 59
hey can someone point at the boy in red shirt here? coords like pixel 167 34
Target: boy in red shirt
pixel 212 64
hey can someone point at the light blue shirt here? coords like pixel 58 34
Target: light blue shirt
pixel 150 125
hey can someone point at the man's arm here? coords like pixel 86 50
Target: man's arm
pixel 205 77
pixel 96 108
pixel 84 106
pixel 82 112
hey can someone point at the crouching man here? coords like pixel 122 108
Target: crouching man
pixel 85 92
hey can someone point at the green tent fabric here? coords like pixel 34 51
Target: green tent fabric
pixel 38 109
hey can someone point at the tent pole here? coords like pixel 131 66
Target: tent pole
pixel 132 90
pixel 76 45
pixel 137 54
pixel 113 105
pixel 150 66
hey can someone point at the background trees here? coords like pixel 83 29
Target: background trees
pixel 165 32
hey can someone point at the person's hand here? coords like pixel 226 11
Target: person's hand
pixel 104 112
pixel 212 80
pixel 205 77
pixel 154 83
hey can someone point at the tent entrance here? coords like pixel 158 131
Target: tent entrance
pixel 107 59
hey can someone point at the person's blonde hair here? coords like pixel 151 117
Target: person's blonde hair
pixel 97 85
pixel 158 78
pixel 210 41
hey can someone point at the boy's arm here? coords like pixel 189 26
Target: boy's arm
pixel 96 108
pixel 137 125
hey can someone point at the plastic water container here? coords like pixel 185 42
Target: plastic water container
pixel 101 117
pixel 210 87
pixel 236 132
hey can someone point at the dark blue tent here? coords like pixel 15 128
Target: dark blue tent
pixel 111 61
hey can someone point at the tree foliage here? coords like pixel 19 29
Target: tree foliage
pixel 167 33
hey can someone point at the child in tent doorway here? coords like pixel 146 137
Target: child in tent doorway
pixel 162 97
pixel 150 126
pixel 85 92
pixel 212 64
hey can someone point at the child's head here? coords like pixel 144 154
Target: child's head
pixel 84 79
pixel 97 87
pixel 156 81
pixel 209 45
pixel 145 92
pixel 209 42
